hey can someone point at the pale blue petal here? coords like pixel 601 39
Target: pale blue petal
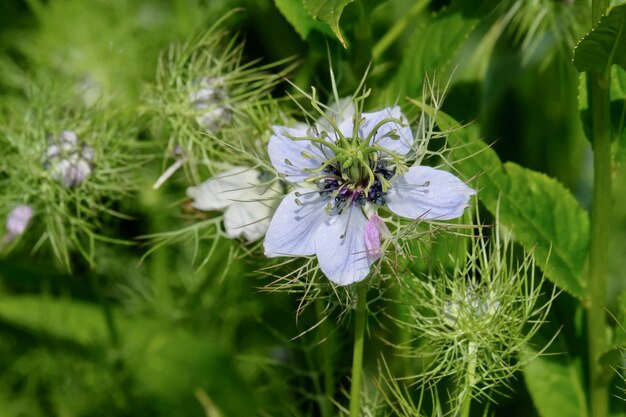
pixel 293 227
pixel 340 247
pixel 292 158
pixel 429 194
pixel 401 145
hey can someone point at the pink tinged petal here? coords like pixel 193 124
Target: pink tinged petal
pixel 373 230
pixel 429 194
pixel 217 193
pixel 247 219
pixel 341 248
pixel 18 220
pixel 293 227
pixel 292 158
pixel 401 145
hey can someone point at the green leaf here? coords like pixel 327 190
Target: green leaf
pixel 430 51
pixel 542 214
pixel 555 383
pixel 330 12
pixel 299 18
pixel 604 45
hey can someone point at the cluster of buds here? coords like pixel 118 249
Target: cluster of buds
pixel 210 103
pixel 69 161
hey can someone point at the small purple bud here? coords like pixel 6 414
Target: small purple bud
pixel 18 220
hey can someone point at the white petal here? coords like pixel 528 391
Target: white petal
pixel 428 193
pixel 402 145
pixel 293 227
pixel 247 219
pixel 235 184
pixel 340 247
pixel 292 157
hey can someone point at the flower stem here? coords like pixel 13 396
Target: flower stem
pixel 601 205
pixel 357 353
pixel 470 381
pixel 327 364
pixel 599 103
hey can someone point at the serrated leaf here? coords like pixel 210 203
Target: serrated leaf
pixel 555 383
pixel 328 11
pixel 542 214
pixel 299 18
pixel 604 45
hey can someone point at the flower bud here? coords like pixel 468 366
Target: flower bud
pixel 18 220
pixel 68 160
pixel 210 102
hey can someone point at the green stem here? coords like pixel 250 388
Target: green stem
pixel 327 363
pixel 470 378
pixel 396 30
pixel 601 205
pixel 599 103
pixel 357 353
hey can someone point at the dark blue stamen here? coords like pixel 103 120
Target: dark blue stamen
pixel 355 191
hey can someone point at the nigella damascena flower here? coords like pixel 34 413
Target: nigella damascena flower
pixel 243 195
pixel 18 220
pixel 69 161
pixel 343 177
pixel 210 102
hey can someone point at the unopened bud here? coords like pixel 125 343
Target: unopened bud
pixel 18 220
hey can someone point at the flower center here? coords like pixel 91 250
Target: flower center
pixel 346 185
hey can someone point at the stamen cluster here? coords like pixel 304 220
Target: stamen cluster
pixel 345 190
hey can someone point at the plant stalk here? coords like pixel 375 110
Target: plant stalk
pixel 599 103
pixel 357 353
pixel 466 395
pixel 327 363
pixel 599 239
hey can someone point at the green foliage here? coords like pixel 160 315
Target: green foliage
pixel 604 45
pixel 538 210
pixel 176 324
pixel 298 16
pixel 555 382
pixel 328 11
pixel 430 51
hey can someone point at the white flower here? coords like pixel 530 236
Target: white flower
pixel 344 173
pixel 68 160
pixel 18 220
pixel 246 201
